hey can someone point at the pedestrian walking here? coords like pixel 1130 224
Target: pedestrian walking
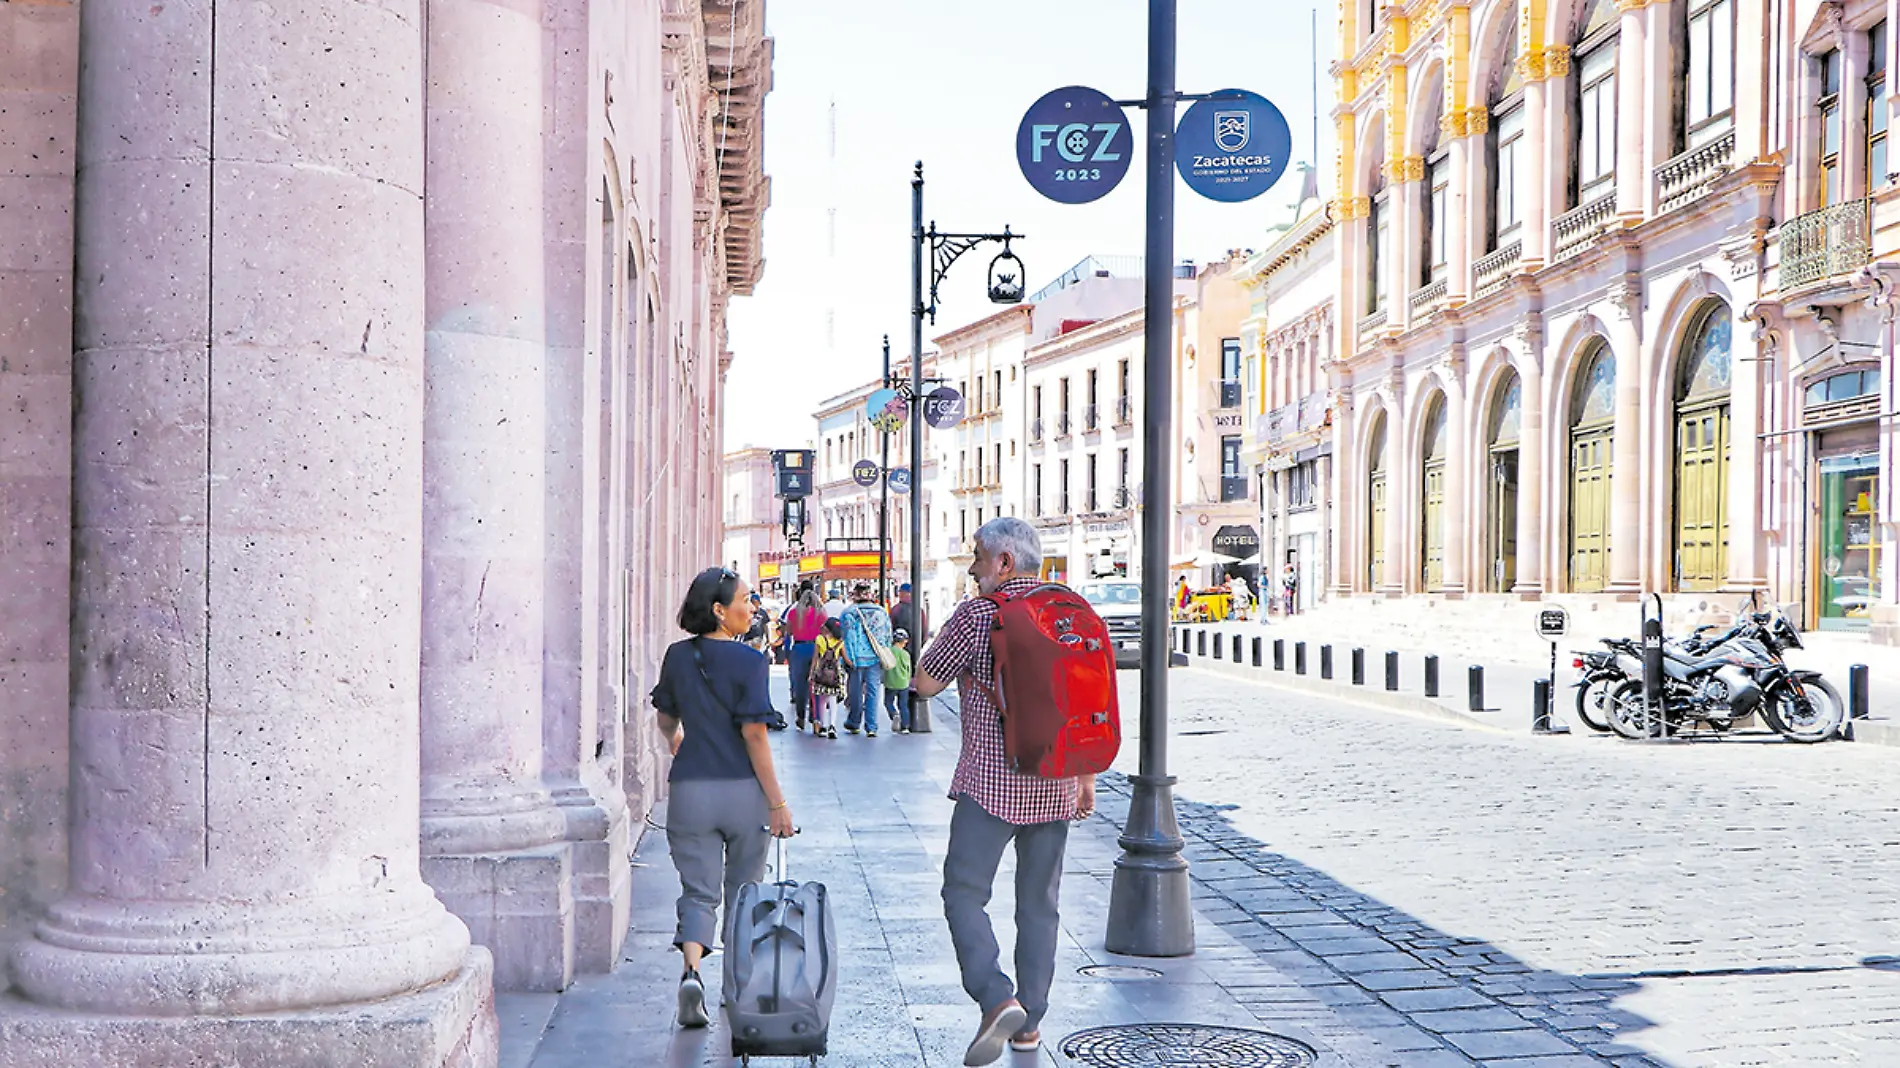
pixel 867 644
pixel 804 621
pixel 1290 583
pixel 827 679
pixel 1181 597
pixel 897 683
pixel 761 625
pixel 1242 595
pixel 714 703
pixel 908 615
pixel 997 806
pixel 834 604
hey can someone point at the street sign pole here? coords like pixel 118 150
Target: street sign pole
pixel 884 494
pixel 919 709
pixel 1149 912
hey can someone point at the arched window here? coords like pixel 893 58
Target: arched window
pixel 1436 231
pixel 1378 229
pixel 1435 452
pixel 1505 144
pixel 1507 414
pixel 1593 165
pixel 1592 430
pixel 1702 446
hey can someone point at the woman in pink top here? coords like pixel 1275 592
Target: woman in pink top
pixel 805 619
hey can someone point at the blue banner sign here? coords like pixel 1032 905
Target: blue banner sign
pixel 1232 148
pixel 864 473
pixel 899 478
pixel 1074 145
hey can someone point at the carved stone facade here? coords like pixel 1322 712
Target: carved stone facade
pixel 357 453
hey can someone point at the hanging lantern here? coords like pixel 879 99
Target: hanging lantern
pixel 1006 275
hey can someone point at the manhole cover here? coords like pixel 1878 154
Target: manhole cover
pixel 1184 1046
pixel 1119 971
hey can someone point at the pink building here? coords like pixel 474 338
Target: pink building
pixel 363 376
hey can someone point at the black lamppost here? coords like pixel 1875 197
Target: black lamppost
pixel 1006 287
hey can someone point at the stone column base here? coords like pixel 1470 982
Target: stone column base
pixel 519 905
pixel 449 1025
pixel 602 887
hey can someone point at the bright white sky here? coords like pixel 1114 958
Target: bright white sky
pixel 946 81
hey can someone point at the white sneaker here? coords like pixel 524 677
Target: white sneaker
pixel 692 1000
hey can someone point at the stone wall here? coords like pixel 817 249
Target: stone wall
pixel 38 93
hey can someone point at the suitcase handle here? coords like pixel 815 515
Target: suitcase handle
pixel 779 874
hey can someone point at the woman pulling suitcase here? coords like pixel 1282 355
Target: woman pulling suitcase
pixel 714 710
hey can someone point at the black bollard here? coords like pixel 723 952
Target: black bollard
pixel 1431 676
pixel 1475 680
pixel 1218 645
pixel 1257 643
pixel 1279 654
pixel 1540 707
pixel 1857 691
pixel 1299 658
pixel 1200 643
pixel 1325 661
pixel 1236 648
pixel 1358 667
pixel 1392 671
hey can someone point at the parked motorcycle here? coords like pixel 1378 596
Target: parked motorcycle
pixel 1598 673
pixel 1733 674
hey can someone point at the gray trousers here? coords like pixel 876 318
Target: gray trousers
pixel 716 831
pixel 977 840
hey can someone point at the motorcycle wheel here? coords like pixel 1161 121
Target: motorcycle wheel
pixel 1623 707
pixel 1808 713
pixel 1593 703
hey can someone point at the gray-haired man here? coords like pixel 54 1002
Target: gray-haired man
pixel 997 806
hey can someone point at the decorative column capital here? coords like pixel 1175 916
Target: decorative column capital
pixel 1406 169
pixel 1477 120
pixel 1452 122
pixel 1625 297
pixel 1631 5
pixel 1346 209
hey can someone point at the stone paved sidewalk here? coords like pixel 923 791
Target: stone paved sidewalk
pixel 875 823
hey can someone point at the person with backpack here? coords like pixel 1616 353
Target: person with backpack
pixel 867 651
pixel 897 683
pixel 714 704
pixel 996 804
pixel 803 623
pixel 827 680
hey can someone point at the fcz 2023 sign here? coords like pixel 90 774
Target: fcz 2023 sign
pixel 1074 145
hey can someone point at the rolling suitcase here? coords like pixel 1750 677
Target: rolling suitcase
pixel 781 967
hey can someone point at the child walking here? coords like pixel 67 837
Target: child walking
pixel 897 683
pixel 827 680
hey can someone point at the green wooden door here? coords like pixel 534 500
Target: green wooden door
pixel 1590 510
pixel 1702 498
pixel 1434 539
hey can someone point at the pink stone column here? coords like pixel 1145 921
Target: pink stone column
pixel 247 549
pixel 1457 503
pixel 1531 476
pixel 1657 107
pixel 1632 172
pixel 491 835
pixel 1458 242
pixel 1346 480
pixel 1536 186
pixel 1626 447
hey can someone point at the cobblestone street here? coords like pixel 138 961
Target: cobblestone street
pixel 1580 898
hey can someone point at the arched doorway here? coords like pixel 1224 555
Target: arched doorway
pixel 1592 426
pixel 1432 487
pixel 1501 525
pixel 1375 508
pixel 1702 413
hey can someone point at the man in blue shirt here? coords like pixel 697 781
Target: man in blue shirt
pixel 864 622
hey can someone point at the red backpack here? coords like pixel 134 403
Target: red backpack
pixel 1055 670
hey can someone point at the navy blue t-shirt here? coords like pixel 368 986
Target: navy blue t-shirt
pixel 713 747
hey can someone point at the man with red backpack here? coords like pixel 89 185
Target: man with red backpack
pixel 1003 792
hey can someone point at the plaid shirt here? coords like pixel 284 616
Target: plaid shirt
pixel 962 652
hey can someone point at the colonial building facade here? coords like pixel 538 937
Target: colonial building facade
pixel 1289 336
pixel 1610 320
pixel 357 453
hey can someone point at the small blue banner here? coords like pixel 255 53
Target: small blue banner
pixel 864 473
pixel 1074 145
pixel 1232 148
pixel 899 478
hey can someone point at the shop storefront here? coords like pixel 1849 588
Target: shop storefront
pixel 1845 496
